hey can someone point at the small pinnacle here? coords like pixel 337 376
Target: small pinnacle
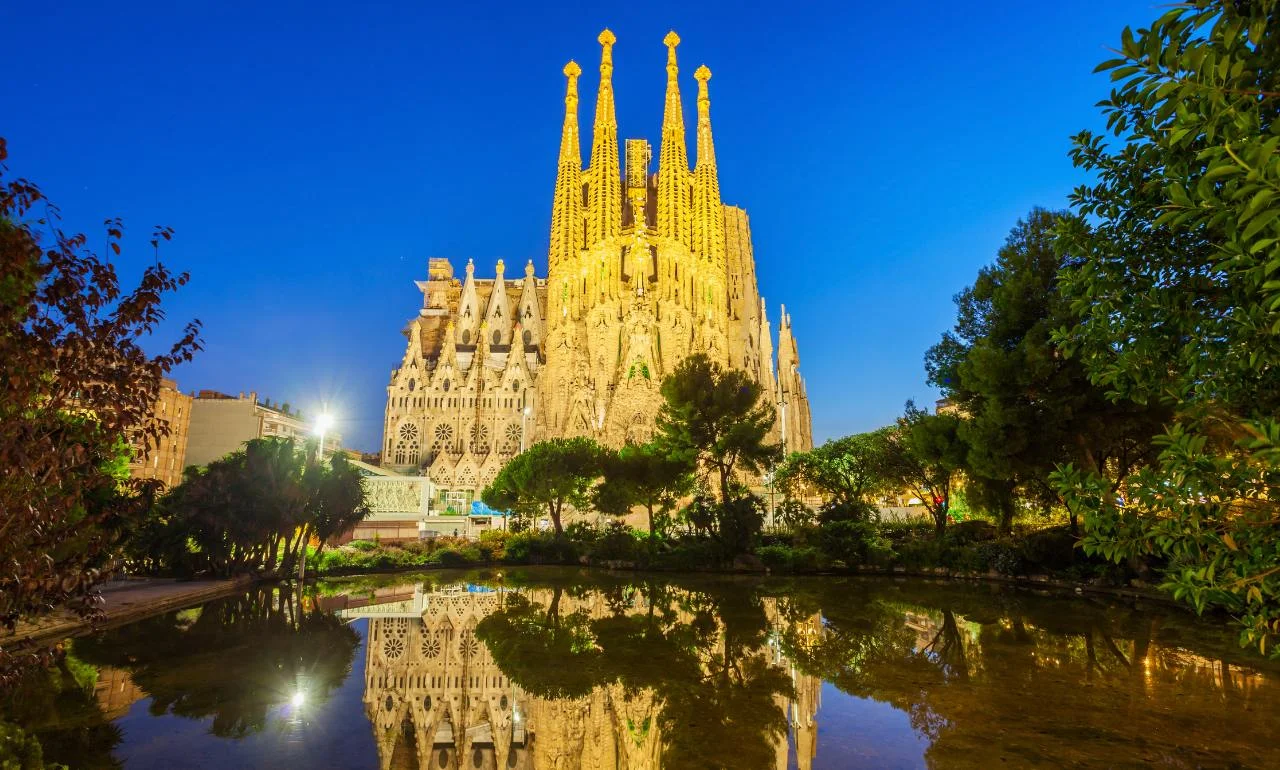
pixel 572 69
pixel 606 38
pixel 703 74
pixel 672 39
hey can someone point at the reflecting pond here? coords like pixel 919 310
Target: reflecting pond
pixel 552 668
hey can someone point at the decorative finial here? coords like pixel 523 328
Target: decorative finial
pixel 671 40
pixel 528 268
pixel 702 74
pixel 607 38
pixel 500 267
pixel 572 69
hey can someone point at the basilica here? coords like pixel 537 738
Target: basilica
pixel 644 269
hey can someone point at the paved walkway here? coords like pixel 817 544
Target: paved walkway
pixel 125 601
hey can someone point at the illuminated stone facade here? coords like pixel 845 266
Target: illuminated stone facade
pixel 436 698
pixel 643 270
pixel 166 460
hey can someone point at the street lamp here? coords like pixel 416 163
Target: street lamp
pixel 323 423
pixel 524 418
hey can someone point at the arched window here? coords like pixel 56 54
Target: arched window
pixel 497 337
pixel 446 386
pixel 412 384
pixel 466 336
pixel 528 337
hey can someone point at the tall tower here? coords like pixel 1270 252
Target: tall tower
pixel 644 270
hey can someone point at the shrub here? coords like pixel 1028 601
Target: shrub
pixel 972 531
pixel 775 557
pixel 855 542
pixel 493 544
pixel 692 554
pixel 618 543
pixel 362 545
pixel 452 556
pixel 540 548
pixel 1050 549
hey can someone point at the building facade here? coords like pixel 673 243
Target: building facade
pixel 221 424
pixel 644 269
pixel 166 460
pixel 435 697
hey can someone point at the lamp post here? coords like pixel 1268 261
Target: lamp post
pixel 524 418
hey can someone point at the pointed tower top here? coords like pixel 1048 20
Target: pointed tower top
pixel 572 71
pixel 673 157
pixel 471 267
pixel 702 75
pixel 528 269
pixel 500 267
pixel 604 200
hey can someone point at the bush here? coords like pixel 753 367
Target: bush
pixel 452 556
pixel 1050 550
pixel 362 545
pixel 972 531
pixel 776 557
pixel 540 548
pixel 692 554
pixel 618 543
pixel 855 542
pixel 493 544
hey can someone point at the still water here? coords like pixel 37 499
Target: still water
pixel 565 669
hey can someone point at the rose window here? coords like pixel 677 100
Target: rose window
pixel 444 433
pixel 409 432
pixel 393 648
pixel 512 438
pixel 468 646
pixel 431 647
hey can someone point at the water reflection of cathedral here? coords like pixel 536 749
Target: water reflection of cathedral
pixel 437 699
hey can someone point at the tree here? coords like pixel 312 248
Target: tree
pixel 1029 408
pixel 715 418
pixel 924 453
pixel 1176 252
pixel 256 509
pixel 77 383
pixel 545 477
pixel 646 476
pixel 844 471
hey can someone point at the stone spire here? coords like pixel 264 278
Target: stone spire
pixel 605 176
pixel 673 157
pixel 566 208
pixel 708 211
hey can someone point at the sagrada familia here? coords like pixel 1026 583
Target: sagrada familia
pixel 644 269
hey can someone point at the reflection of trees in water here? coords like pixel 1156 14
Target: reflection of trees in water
pixel 1027 680
pixel 233 660
pixel 57 708
pixel 699 654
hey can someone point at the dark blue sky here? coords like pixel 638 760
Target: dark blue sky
pixel 311 156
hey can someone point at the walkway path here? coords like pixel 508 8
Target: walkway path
pixel 125 601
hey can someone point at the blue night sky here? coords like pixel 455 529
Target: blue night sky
pixel 311 156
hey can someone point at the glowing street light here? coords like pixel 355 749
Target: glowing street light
pixel 323 423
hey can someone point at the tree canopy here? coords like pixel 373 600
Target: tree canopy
pixel 715 418
pixel 547 476
pixel 1175 279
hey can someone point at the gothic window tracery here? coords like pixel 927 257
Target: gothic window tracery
pixel 407 447
pixel 480 439
pixel 511 439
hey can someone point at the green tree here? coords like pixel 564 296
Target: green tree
pixel 76 382
pixel 545 477
pixel 845 472
pixel 1029 408
pixel 715 418
pixel 923 454
pixel 1176 281
pixel 646 476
